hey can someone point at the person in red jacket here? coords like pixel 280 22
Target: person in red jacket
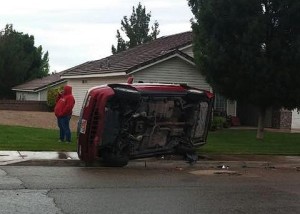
pixel 63 111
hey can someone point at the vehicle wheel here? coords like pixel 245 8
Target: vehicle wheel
pixel 112 159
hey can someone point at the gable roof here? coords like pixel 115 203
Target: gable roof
pixel 40 83
pixel 129 60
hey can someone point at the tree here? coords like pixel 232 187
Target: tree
pixel 20 60
pixel 249 50
pixel 136 29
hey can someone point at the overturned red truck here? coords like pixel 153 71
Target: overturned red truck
pixel 119 122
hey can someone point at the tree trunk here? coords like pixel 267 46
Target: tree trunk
pixel 261 124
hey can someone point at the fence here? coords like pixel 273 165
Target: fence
pixel 23 105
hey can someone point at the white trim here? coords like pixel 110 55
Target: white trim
pixel 185 47
pixel 22 90
pixel 51 85
pixel 162 60
pixel 95 75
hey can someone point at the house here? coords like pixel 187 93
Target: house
pixel 166 59
pixel 37 89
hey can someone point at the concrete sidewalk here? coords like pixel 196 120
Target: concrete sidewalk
pixel 206 161
pixel 14 157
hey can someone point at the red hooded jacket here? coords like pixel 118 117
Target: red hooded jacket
pixel 65 103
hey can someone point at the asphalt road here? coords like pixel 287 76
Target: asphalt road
pixel 140 190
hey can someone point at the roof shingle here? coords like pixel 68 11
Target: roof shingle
pixel 133 57
pixel 36 84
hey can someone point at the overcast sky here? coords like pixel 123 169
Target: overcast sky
pixel 76 31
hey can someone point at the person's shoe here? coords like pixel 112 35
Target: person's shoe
pixel 60 141
pixel 68 142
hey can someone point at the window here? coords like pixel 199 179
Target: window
pixel 220 103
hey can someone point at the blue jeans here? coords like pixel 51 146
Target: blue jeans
pixel 64 128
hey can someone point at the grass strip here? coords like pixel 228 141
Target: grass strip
pixel 225 141
pixel 230 141
pixel 32 139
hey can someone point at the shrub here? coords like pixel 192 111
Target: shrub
pixel 52 95
pixel 218 122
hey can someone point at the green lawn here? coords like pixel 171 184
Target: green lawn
pixel 225 141
pixel 32 139
pixel 230 141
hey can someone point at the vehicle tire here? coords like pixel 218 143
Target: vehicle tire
pixel 112 159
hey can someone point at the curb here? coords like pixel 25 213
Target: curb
pixel 26 158
pixel 163 164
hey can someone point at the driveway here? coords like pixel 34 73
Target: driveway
pixel 34 119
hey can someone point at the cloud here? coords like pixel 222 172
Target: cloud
pixel 78 31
